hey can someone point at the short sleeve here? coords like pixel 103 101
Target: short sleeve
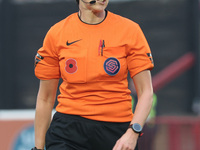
pixel 139 57
pixel 46 60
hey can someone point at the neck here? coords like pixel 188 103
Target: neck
pixel 91 17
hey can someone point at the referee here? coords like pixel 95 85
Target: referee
pixel 92 51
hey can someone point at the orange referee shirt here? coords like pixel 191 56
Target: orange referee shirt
pixel 93 62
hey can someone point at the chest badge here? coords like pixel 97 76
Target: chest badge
pixel 112 66
pixel 71 66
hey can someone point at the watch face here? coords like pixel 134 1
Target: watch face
pixel 137 127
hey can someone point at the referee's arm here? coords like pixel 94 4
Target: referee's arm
pixel 45 103
pixel 143 85
pixel 144 89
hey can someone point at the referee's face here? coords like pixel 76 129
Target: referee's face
pixel 99 6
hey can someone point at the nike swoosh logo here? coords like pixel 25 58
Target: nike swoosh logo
pixel 68 44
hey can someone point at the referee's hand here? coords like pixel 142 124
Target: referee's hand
pixel 127 142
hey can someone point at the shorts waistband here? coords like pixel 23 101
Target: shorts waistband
pixel 80 118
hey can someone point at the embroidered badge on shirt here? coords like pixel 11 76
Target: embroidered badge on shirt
pixel 150 57
pixel 71 66
pixel 112 66
pixel 38 58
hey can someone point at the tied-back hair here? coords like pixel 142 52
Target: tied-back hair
pixel 77 1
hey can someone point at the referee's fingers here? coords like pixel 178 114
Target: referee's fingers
pixel 117 146
pixel 120 146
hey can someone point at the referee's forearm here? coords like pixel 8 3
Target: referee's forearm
pixel 143 108
pixel 144 88
pixel 42 121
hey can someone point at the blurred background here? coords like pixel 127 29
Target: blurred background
pixel 172 30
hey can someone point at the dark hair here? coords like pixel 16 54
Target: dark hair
pixel 77 1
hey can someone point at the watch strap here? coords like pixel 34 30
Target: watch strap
pixel 140 133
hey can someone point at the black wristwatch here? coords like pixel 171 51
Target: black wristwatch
pixel 137 128
pixel 35 148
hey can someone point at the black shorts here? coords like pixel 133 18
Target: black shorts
pixel 70 132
